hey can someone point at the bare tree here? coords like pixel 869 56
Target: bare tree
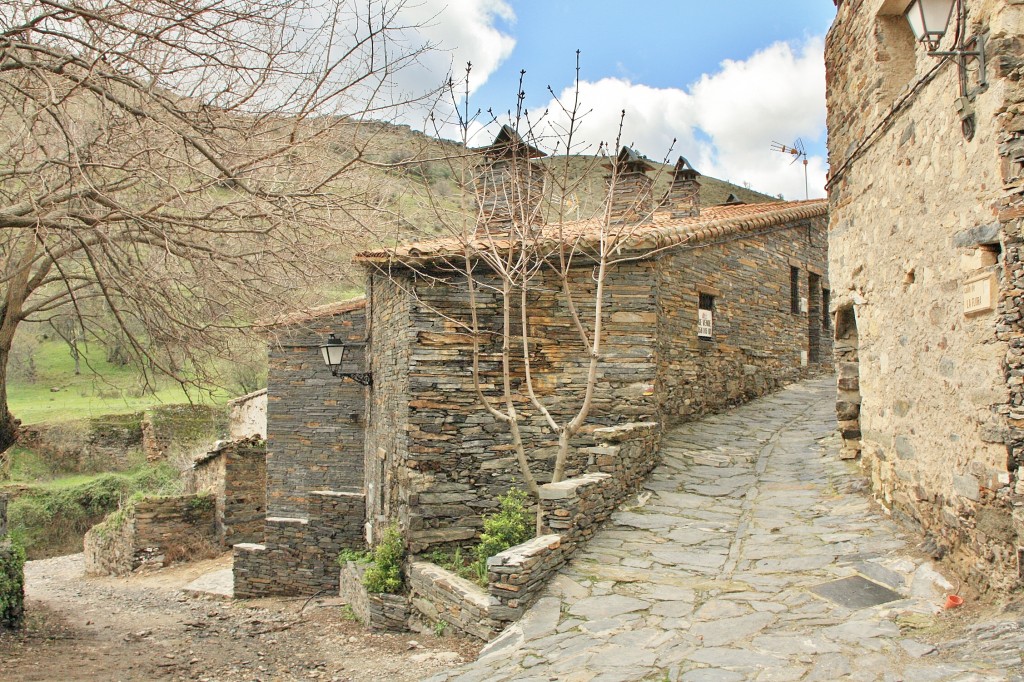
pixel 172 169
pixel 524 234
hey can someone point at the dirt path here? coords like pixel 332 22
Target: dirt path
pixel 143 628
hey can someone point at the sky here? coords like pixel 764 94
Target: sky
pixel 725 79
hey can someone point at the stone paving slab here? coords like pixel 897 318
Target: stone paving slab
pixel 708 575
pixel 219 584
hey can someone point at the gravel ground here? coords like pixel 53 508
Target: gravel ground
pixel 143 628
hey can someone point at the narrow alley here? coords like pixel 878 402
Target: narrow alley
pixel 754 553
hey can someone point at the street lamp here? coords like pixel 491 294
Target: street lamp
pixel 333 352
pixel 929 20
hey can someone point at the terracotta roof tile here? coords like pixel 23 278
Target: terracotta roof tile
pixel 315 313
pixel 661 232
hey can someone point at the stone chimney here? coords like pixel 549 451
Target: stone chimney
pixel 509 187
pixel 630 188
pixel 682 200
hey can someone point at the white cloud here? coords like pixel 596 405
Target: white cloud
pixel 725 122
pixel 463 31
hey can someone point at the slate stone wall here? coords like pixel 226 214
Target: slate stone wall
pixel 299 555
pixel 457 458
pixel 236 475
pixel 571 511
pixel 757 341
pixel 154 531
pixel 388 407
pixel 381 612
pixel 315 420
pixel 919 210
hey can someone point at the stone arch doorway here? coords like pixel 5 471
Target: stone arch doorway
pixel 847 356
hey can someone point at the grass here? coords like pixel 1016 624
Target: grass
pixel 50 517
pixel 102 388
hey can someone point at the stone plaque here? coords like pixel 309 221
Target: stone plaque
pixel 980 294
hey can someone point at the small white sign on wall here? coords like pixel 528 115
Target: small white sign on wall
pixel 803 304
pixel 705 323
pixel 980 294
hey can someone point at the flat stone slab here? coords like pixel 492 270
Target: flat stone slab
pixel 856 592
pixel 218 584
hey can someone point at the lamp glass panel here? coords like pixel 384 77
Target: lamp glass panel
pixel 333 353
pixel 936 15
pixel 915 19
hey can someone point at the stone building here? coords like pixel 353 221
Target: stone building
pixel 707 307
pixel 926 206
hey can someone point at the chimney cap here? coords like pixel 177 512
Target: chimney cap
pixel 733 200
pixel 628 161
pixel 685 170
pixel 508 143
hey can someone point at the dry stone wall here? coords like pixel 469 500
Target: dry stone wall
pixel 571 511
pixel 758 343
pixel 236 475
pixel 383 612
pixel 919 211
pixel 315 420
pixel 451 458
pixel 151 531
pixel 299 555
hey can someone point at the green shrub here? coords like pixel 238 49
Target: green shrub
pixel 51 518
pixel 510 526
pixel 385 574
pixel 12 584
pixel 359 556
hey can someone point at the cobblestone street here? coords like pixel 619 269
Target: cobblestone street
pixel 720 571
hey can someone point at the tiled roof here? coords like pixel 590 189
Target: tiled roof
pixel 315 313
pixel 661 232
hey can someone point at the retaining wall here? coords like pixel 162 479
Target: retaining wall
pixel 570 513
pixel 151 531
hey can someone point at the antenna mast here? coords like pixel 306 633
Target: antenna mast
pixel 797 151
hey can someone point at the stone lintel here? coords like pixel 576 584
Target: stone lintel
pixel 287 520
pixel 977 236
pixel 566 489
pixel 337 493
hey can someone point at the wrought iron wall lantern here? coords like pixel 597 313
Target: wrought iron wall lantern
pixel 930 19
pixel 333 351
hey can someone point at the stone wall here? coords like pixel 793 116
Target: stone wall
pixel 299 554
pixel 570 510
pixel 236 475
pixel 387 460
pixel 758 342
pixel 173 429
pixel 104 443
pixel 155 531
pixel 247 416
pixel 919 212
pixel 315 420
pixel 451 459
pixel 386 612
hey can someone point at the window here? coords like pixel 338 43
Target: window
pixel 794 290
pixel 705 316
pixel 825 300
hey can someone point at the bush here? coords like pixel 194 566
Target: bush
pixel 12 584
pixel 510 526
pixel 385 574
pixel 50 519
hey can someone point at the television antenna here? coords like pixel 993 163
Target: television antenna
pixel 797 151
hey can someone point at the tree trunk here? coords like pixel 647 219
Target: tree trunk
pixel 8 424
